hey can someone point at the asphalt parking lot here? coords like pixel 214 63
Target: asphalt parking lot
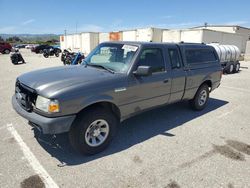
pixel 171 146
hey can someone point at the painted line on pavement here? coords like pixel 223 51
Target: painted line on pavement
pixel 35 164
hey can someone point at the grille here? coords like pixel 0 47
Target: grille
pixel 25 96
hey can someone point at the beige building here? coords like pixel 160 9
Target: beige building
pixel 200 35
pixel 244 31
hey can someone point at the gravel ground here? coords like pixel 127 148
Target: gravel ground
pixel 171 146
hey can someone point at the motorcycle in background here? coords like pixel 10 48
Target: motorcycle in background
pixel 78 58
pixel 71 58
pixel 16 57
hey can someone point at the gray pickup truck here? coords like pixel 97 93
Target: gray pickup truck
pixel 116 81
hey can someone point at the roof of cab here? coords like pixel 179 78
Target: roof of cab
pixel 156 43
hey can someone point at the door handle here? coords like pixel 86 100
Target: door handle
pixel 165 81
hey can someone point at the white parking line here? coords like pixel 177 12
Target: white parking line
pixel 35 164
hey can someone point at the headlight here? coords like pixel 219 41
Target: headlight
pixel 47 105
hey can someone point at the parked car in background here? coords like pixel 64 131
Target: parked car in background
pixel 5 47
pixel 20 46
pixel 29 46
pixel 39 49
pixel 51 52
pixel 57 46
pixel 117 80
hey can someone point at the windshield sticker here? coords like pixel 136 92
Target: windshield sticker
pixel 129 47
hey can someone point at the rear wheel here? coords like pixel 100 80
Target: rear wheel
pixel 201 97
pixel 40 51
pixel 92 131
pixel 236 68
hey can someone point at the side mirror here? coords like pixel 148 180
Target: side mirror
pixel 143 71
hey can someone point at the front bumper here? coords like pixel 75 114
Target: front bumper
pixel 46 125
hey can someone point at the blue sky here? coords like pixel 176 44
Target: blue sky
pixel 54 16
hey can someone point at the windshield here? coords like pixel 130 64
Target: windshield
pixel 116 57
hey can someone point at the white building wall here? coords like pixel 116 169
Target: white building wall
pixel 211 36
pixel 191 36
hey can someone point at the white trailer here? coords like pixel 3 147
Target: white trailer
pixel 88 42
pixel 103 37
pixel 69 41
pixel 129 35
pixel 77 43
pixel 149 35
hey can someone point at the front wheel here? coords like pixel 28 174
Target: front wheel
pixel 92 131
pixel 57 54
pixel 200 99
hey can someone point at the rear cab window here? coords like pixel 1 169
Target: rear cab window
pixel 175 59
pixel 200 55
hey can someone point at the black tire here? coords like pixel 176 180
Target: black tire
pixel 46 55
pixel 236 68
pixel 77 134
pixel 6 51
pixel 40 51
pixel 196 103
pixel 230 69
pixel 57 54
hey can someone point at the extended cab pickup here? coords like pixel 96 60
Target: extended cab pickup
pixel 116 81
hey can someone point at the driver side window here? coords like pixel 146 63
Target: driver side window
pixel 152 57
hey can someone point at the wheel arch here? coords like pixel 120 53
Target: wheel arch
pixel 208 82
pixel 109 105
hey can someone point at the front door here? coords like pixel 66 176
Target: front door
pixel 150 91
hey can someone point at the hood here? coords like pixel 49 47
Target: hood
pixel 51 80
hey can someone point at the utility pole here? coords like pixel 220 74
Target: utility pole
pixel 76 27
pixel 65 39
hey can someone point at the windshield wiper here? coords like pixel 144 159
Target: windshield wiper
pixel 101 66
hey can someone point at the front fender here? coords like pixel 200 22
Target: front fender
pixel 96 99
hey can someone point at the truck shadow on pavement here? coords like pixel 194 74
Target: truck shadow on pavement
pixel 131 132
